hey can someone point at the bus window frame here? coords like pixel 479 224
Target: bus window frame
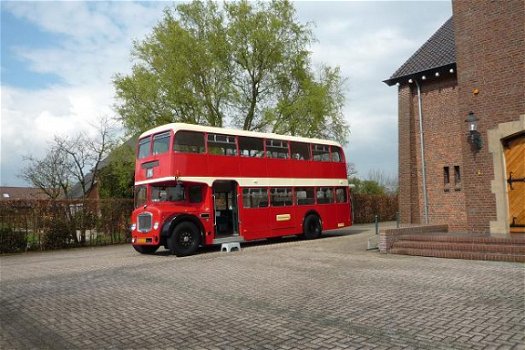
pixel 168 135
pixel 236 143
pixel 204 146
pixel 144 140
pixel 288 155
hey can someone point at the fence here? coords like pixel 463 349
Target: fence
pixel 46 224
pixel 366 206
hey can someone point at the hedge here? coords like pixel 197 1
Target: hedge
pixel 366 206
pixel 46 224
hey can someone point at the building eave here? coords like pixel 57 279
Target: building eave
pixel 442 71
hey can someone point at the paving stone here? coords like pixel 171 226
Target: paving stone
pixel 329 293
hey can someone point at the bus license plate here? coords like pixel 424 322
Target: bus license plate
pixel 141 240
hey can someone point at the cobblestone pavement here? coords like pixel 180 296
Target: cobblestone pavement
pixel 326 294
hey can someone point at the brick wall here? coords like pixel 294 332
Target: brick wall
pixel 490 46
pixel 442 132
pixel 408 198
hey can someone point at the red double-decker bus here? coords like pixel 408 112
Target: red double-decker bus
pixel 197 185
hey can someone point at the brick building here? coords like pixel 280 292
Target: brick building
pixel 472 67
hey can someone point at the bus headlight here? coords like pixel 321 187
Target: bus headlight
pixel 133 227
pixel 156 226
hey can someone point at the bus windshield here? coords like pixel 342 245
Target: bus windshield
pixel 167 193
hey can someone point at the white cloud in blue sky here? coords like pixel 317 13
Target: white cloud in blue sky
pixel 58 59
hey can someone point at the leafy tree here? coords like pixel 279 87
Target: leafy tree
pixel 242 63
pixel 116 179
pixel 366 186
pixel 390 183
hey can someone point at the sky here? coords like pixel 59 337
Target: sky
pixel 58 60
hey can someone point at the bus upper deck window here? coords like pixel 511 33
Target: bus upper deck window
pixel 144 148
pixel 321 153
pixel 277 149
pixel 161 143
pixel 222 145
pixel 251 147
pixel 189 142
pixel 337 155
pixel 300 150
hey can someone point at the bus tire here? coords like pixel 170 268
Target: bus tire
pixel 312 227
pixel 146 249
pixel 185 239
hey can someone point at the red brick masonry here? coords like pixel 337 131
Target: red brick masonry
pixel 387 238
pixel 435 241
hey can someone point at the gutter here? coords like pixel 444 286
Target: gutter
pixel 423 163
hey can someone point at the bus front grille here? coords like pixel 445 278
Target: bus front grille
pixel 144 222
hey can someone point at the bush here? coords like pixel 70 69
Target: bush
pixel 366 206
pixel 12 241
pixel 57 234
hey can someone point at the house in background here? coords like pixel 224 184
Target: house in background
pixel 462 122
pixel 22 193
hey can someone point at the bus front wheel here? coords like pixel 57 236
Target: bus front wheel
pixel 184 240
pixel 311 227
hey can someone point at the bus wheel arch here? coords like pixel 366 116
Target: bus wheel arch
pixel 184 239
pixel 169 226
pixel 312 225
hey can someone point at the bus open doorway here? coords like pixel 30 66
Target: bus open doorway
pixel 225 207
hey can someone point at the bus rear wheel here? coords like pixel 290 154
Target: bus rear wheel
pixel 146 249
pixel 311 227
pixel 184 240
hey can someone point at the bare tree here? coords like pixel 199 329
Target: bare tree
pixel 389 182
pixel 50 174
pixel 71 160
pixel 85 154
pixel 351 170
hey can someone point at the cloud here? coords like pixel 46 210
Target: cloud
pixel 94 43
pixel 96 37
pixel 368 40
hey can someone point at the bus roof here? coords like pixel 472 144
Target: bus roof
pixel 191 127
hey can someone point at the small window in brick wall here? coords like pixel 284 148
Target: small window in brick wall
pixel 457 178
pixel 446 178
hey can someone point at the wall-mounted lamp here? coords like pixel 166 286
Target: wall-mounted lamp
pixel 474 137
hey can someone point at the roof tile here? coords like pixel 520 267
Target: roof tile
pixel 438 51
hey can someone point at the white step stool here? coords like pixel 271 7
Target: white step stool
pixel 230 247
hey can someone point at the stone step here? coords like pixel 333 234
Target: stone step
pixel 460 246
pixel 462 239
pixel 456 254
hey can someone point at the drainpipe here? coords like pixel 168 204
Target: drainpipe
pixel 423 164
